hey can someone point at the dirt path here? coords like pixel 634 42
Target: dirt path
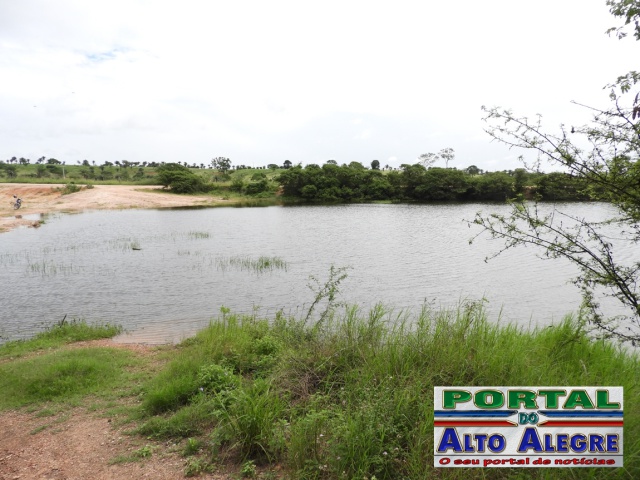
pixel 79 444
pixel 44 198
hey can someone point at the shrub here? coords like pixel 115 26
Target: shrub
pixel 180 179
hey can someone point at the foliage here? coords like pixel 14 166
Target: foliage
pixel 354 183
pixel 629 10
pixel 222 164
pixel 69 188
pixel 600 161
pixel 180 179
pixel 351 397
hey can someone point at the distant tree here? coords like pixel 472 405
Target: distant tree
pixel 473 170
pixel 428 159
pixel 375 165
pixel 53 161
pixel 139 174
pixel 11 170
pixel 332 162
pixel 287 164
pixel 85 163
pixel 272 166
pixel 447 154
pixel 222 164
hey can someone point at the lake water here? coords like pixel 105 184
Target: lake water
pixel 188 263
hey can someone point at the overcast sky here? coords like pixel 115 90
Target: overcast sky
pixel 265 81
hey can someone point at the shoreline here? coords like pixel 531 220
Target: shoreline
pixel 41 199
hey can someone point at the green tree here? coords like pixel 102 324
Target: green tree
pixel 375 165
pixel 180 179
pixel 222 164
pixel 492 186
pixel 11 171
pixel 608 169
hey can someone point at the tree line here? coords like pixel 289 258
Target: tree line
pixel 347 183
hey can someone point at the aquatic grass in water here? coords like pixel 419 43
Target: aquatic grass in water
pixel 198 235
pixel 49 267
pixel 260 265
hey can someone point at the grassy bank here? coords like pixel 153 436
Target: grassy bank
pixel 351 396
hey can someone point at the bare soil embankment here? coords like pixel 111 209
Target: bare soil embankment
pixel 45 198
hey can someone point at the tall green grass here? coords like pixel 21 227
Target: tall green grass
pixel 352 397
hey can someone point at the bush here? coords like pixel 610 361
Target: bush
pixel 180 179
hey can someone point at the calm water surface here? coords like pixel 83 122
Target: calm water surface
pixel 83 266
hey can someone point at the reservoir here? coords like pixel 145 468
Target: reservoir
pixel 163 274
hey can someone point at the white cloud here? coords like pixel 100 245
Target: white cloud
pixel 264 81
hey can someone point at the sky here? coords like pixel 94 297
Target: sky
pixel 262 82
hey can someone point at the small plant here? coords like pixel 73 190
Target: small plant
pixel 143 452
pixel 248 469
pixel 192 447
pixel 329 291
pixel 215 379
pixel 196 466
pixel 69 188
